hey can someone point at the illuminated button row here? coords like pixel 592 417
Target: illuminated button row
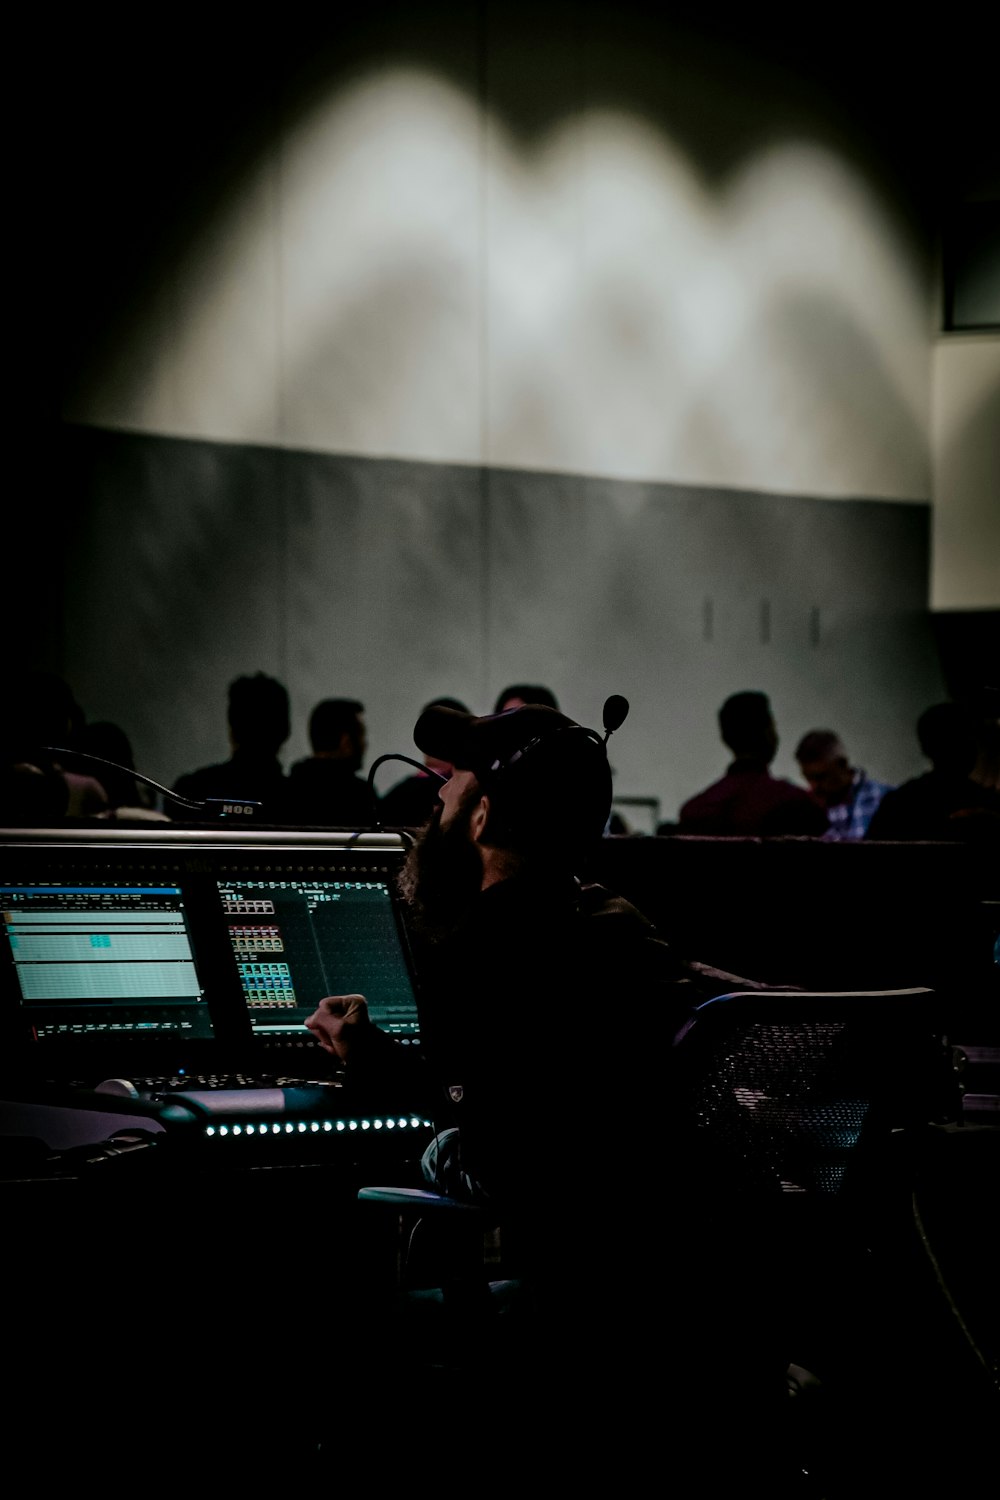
pixel 318 1127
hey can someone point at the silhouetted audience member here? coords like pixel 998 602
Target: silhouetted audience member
pixel 259 720
pixel 40 786
pixel 511 945
pixel 521 693
pixel 986 707
pixel 410 802
pixel 945 803
pixel 31 796
pixel 128 797
pixel 325 789
pixel 849 794
pixel 748 800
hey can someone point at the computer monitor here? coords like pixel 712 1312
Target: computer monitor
pixel 181 951
pixel 295 940
pixel 109 958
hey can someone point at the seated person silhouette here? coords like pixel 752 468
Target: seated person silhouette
pixel 325 789
pixel 748 801
pixel 521 693
pixel 411 801
pixel 549 1008
pixel 40 786
pixel 849 794
pixel 259 722
pixel 984 705
pixel 128 797
pixel 31 796
pixel 946 803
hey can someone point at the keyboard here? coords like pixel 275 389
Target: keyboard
pixel 156 1087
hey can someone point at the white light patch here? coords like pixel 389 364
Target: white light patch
pixel 399 276
pixel 380 243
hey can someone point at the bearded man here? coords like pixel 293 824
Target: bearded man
pixel 542 998
pixel 549 1008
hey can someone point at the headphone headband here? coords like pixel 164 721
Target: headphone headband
pixel 512 760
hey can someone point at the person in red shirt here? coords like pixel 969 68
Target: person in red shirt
pixel 748 801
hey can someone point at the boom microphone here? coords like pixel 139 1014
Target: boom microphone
pixel 615 714
pixel 407 760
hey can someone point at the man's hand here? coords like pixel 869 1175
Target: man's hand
pixel 336 1022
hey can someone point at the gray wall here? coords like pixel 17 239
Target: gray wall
pixel 190 563
pixel 428 348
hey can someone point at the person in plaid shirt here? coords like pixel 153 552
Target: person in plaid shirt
pixel 849 794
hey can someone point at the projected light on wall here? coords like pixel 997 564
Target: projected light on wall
pixel 401 276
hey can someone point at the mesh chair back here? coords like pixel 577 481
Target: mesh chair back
pixel 805 1089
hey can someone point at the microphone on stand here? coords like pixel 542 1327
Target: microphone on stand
pixel 223 807
pixel 615 713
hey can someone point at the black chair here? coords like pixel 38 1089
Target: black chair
pixel 766 1252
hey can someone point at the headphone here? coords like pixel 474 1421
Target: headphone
pixel 500 766
pixel 565 754
pixel 614 715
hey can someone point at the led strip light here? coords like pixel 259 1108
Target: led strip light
pixel 255 1128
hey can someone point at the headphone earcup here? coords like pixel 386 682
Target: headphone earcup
pixel 560 780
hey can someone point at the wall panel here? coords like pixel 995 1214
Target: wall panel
pixel 188 563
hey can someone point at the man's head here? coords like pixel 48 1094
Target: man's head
pixel 337 731
pixel 259 715
pixel 545 777
pixel 530 786
pixel 948 737
pixel 747 726
pixel 444 872
pixel 824 764
pixel 521 693
pixel 42 710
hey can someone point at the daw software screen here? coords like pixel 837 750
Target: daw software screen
pixel 295 941
pixel 109 958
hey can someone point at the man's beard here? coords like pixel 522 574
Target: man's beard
pixel 442 875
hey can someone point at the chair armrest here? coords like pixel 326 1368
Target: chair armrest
pixel 420 1200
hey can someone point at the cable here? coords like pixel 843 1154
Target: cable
pixel 407 760
pixel 938 1274
pixel 98 760
pixel 188 802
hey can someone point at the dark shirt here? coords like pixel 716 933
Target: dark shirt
pixel 327 793
pixel 749 801
pixel 255 778
pixel 937 806
pixel 547 1029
